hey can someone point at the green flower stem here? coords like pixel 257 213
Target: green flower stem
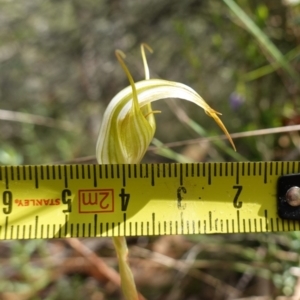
pixel 127 280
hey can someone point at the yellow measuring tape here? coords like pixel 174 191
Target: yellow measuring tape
pixel 146 199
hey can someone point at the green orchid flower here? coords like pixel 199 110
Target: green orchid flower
pixel 127 129
pixel 128 124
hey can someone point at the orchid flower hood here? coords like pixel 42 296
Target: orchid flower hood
pixel 128 124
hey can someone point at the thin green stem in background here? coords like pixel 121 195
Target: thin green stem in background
pixel 262 38
pixel 164 151
pixel 221 144
pixel 270 68
pixel 183 117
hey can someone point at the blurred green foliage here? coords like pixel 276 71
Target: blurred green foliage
pixel 57 67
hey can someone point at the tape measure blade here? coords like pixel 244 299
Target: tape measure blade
pixel 146 199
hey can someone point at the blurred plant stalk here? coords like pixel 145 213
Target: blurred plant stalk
pixel 127 130
pixel 264 40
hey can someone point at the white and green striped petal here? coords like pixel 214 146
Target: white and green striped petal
pixel 128 124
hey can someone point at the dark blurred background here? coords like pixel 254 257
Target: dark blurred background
pixel 58 72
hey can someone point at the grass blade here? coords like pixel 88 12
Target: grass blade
pixel 262 38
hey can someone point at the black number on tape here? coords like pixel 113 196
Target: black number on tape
pixel 7 199
pixel 236 203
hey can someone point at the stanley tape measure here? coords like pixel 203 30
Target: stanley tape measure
pixel 56 201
